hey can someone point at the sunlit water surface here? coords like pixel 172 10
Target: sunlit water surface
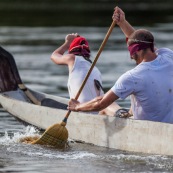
pixel 32 48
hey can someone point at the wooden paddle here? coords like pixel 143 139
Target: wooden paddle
pixel 57 134
pixel 32 98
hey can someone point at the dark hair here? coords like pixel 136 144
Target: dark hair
pixel 141 36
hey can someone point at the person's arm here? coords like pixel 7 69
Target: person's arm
pixel 119 18
pixel 58 56
pixel 96 104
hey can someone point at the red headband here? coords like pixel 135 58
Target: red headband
pixel 133 48
pixel 79 46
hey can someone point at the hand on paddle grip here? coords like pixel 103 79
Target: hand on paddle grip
pixel 72 105
pixel 118 16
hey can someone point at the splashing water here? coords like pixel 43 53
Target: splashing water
pixel 29 134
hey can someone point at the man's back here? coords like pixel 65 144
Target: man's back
pixel 76 77
pixel 153 88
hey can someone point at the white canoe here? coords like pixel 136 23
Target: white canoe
pixel 112 132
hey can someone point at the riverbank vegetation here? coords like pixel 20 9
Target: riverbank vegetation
pixel 81 12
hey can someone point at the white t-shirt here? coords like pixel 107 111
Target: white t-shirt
pixel 150 85
pixel 76 77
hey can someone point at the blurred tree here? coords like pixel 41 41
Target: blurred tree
pixel 81 12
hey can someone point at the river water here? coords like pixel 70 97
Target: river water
pixel 31 48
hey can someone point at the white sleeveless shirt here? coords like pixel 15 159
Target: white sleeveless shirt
pixel 76 77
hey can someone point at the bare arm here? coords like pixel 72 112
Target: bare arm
pixel 58 56
pixel 96 104
pixel 119 18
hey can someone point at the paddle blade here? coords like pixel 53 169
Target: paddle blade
pixel 56 136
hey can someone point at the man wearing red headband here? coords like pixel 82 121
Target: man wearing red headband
pixel 150 83
pixel 78 61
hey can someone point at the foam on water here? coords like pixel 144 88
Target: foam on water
pixel 158 161
pixel 14 145
pixel 16 137
pixel 60 155
pixel 76 151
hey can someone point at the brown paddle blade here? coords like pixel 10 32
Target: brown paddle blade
pixel 28 139
pixel 56 136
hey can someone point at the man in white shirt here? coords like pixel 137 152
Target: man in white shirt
pixel 150 83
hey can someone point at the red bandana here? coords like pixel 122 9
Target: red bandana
pixel 133 48
pixel 79 46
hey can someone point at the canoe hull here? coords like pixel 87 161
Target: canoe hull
pixel 112 132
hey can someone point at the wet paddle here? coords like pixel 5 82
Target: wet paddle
pixel 57 134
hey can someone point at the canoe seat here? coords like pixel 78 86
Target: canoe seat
pixel 53 104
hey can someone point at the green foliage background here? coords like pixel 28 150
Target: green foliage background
pixel 81 12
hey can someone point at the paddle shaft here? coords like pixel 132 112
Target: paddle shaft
pixel 92 66
pixel 29 94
